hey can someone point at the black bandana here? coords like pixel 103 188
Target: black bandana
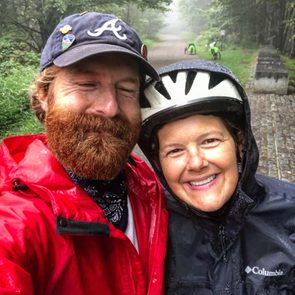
pixel 110 195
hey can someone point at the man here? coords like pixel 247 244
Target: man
pixel 79 214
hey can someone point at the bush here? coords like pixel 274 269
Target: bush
pixel 28 124
pixel 14 54
pixel 14 103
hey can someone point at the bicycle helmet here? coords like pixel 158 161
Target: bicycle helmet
pixel 187 88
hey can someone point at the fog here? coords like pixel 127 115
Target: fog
pixel 173 22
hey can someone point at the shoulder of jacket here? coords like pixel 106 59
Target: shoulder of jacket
pixel 279 200
pixel 277 188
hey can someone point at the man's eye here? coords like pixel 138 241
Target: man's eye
pixel 127 92
pixel 173 152
pixel 87 84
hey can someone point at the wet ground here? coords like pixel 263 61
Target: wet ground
pixel 273 118
pixel 169 50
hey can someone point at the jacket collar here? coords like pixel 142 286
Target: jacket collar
pixel 28 160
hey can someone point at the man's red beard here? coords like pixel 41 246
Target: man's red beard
pixel 91 146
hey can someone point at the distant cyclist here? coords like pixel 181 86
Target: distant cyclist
pixel 191 49
pixel 214 50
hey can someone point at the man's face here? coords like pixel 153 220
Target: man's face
pixel 93 115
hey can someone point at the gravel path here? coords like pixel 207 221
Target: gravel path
pixel 169 50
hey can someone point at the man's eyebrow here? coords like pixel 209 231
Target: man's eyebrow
pixel 83 71
pixel 130 79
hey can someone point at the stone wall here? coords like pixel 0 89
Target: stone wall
pixel 271 76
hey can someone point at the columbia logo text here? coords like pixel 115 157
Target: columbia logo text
pixel 263 272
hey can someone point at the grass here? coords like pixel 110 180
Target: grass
pixel 29 124
pixel 290 64
pixel 239 60
pixel 15 116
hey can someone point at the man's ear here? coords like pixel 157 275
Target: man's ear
pixel 43 99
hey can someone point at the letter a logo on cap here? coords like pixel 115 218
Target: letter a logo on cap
pixel 108 26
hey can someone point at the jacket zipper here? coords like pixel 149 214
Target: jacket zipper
pixel 221 235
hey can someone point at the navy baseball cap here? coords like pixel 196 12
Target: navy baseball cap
pixel 79 36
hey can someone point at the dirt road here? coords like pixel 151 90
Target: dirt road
pixel 169 50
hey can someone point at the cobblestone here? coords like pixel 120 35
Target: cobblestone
pixel 273 124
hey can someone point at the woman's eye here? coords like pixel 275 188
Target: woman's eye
pixel 211 142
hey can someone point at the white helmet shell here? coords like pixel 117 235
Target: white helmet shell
pixel 178 95
pixel 187 88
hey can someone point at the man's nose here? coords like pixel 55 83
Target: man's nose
pixel 105 103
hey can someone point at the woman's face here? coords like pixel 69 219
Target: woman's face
pixel 198 159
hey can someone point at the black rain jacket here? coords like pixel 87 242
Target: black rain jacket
pixel 247 248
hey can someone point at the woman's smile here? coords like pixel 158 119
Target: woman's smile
pixel 203 183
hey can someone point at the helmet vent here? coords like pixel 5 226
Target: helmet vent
pixel 173 76
pixel 215 79
pixel 162 89
pixel 189 81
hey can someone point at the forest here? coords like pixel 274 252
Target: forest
pixel 26 25
pixel 246 22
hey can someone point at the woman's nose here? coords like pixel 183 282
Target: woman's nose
pixel 196 160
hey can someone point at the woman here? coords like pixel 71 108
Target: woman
pixel 230 231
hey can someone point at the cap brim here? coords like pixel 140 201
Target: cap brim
pixel 78 53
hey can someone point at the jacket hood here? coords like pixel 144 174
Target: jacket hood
pixel 247 182
pixel 251 156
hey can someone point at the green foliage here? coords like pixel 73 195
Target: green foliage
pixel 290 64
pixel 14 105
pixel 28 124
pixel 13 54
pixel 32 21
pixel 209 36
pixel 147 23
pixel 262 22
pixel 195 14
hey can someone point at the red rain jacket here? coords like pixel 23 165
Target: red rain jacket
pixel 54 239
